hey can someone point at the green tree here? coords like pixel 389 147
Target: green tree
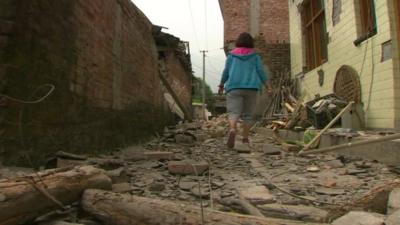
pixel 197 93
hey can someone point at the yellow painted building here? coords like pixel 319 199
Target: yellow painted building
pixel 340 40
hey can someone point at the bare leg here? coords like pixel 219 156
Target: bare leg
pixel 232 133
pixel 232 124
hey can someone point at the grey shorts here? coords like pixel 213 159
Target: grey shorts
pixel 241 104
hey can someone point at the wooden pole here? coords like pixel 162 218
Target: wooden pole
pixel 307 146
pixel 355 144
pixel 31 196
pixel 124 209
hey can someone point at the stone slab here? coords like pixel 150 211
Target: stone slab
pixel 394 218
pixel 257 195
pixel 187 167
pixel 270 149
pixel 187 185
pixel 242 148
pixel 360 218
pixel 394 201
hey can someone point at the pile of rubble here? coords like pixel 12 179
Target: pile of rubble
pixel 188 176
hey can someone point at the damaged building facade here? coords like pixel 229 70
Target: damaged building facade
pixel 268 22
pixel 96 65
pixel 351 49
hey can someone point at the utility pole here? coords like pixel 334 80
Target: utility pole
pixel 204 85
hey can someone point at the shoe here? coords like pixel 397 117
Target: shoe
pixel 231 139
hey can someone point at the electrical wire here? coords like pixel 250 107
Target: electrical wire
pixel 212 66
pixel 193 23
pixel 52 87
pixel 205 24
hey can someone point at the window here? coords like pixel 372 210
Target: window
pixel 313 16
pixel 367 21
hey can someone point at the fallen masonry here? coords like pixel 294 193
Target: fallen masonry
pixel 200 181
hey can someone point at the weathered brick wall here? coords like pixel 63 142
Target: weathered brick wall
pixel 179 78
pixel 274 20
pixel 236 14
pixel 100 56
pixel 275 55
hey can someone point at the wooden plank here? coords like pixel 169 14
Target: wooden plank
pixel 161 74
pixel 307 146
pixel 125 209
pixel 352 145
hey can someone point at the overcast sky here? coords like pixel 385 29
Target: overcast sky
pixel 186 19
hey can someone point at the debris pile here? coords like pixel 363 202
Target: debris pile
pixel 188 176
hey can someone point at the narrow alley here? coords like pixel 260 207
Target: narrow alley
pixel 121 112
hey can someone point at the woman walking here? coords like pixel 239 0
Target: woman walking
pixel 243 76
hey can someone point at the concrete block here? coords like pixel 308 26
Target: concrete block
pixel 187 167
pixel 157 155
pixel 360 218
pixel 290 148
pixel 394 201
pixel 270 149
pixel 257 195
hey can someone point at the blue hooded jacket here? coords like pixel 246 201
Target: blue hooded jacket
pixel 243 72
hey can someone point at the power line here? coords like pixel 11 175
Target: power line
pixel 206 25
pixel 193 23
pixel 212 66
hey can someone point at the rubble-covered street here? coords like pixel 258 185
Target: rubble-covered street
pixel 190 165
pixel 211 112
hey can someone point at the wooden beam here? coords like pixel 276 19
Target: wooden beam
pixel 126 209
pixel 161 74
pixel 307 146
pixel 352 145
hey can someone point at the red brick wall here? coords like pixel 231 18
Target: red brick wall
pixel 236 14
pixel 274 20
pixel 101 57
pixel 179 79
pixel 120 44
